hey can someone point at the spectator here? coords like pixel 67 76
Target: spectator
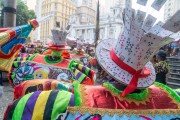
pixel 175 48
pixel 161 67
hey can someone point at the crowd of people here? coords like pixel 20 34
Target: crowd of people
pixel 159 60
pixel 172 49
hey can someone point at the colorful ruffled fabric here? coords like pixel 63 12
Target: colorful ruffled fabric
pixel 41 85
pixel 156 96
pixel 100 103
pixel 40 105
pixel 11 41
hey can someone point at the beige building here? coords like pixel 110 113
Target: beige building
pixel 60 10
pixel 170 8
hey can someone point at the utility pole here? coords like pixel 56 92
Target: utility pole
pixel 9 12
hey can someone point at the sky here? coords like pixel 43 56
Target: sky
pixel 108 3
pixel 31 4
pixel 158 14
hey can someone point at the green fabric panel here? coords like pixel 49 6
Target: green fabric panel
pixel 12 75
pixel 56 53
pixel 18 112
pixel 61 103
pixel 77 94
pixel 18 59
pixel 15 64
pixel 52 62
pixel 32 57
pixel 87 71
pixel 137 96
pixel 71 64
pixel 81 78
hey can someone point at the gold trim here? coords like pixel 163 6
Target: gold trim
pixel 83 94
pixel 120 112
pixel 130 100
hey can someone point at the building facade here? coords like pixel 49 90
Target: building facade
pixel 110 26
pixel 86 11
pixel 59 12
pixel 170 8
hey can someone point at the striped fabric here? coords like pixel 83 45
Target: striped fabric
pixel 82 73
pixel 40 105
pixel 22 58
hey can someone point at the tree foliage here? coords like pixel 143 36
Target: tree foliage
pixel 23 14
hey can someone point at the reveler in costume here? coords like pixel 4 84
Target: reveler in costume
pixel 161 67
pixel 12 39
pixel 130 94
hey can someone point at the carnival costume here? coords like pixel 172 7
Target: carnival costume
pixel 131 95
pixel 54 65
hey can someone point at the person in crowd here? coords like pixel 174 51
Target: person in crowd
pixel 161 67
pixel 175 48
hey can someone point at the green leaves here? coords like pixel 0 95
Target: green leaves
pixel 23 14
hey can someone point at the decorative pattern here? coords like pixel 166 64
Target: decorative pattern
pixel 32 70
pixel 120 112
pixel 84 112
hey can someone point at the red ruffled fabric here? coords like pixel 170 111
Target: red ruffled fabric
pixel 66 54
pixel 99 97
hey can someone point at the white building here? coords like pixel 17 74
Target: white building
pixel 89 3
pixel 110 26
pixel 170 8
pixel 38 15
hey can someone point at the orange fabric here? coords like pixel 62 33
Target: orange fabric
pixel 66 54
pixel 77 55
pixel 40 59
pixel 48 52
pixel 37 85
pixel 97 97
pixel 88 81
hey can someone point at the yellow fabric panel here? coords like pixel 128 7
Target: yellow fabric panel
pixel 40 106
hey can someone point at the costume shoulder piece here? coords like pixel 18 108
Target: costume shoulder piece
pixel 12 39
